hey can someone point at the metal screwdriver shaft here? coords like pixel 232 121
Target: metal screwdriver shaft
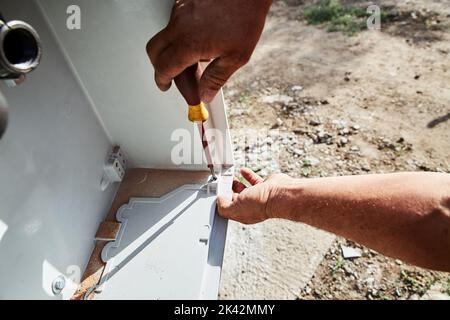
pixel 187 84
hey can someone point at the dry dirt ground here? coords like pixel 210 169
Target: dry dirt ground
pixel 334 104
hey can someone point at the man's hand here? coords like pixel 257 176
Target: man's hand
pixel 224 31
pixel 402 215
pixel 255 203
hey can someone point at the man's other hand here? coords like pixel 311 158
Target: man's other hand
pixel 222 31
pixel 255 203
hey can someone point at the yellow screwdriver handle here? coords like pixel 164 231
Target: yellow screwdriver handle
pixel 198 113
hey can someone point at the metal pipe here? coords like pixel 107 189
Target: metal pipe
pixel 20 49
pixel 3 114
pixel 20 53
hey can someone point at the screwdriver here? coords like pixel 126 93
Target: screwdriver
pixel 187 84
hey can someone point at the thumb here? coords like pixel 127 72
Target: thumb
pixel 215 76
pixel 225 206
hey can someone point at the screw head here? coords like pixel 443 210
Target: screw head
pixel 58 284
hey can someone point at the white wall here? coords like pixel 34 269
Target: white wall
pixel 51 161
pixel 108 53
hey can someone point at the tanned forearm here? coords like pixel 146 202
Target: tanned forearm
pixel 403 215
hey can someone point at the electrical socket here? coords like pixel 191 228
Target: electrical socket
pixel 114 169
pixel 118 154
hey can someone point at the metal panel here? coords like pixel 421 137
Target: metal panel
pixel 94 86
pixel 168 248
pixel 51 164
pixel 108 54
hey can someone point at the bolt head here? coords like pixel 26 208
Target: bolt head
pixel 58 285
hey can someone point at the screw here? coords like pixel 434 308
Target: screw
pixel 58 285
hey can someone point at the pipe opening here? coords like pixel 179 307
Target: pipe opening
pixel 21 48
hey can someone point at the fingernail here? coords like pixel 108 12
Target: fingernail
pixel 163 87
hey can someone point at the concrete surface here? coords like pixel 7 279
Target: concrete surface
pixel 271 260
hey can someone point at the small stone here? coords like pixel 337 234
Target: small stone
pixel 312 161
pixel 297 88
pixel 323 137
pixel 398 262
pixel 359 286
pixel 236 112
pixel 339 124
pixel 369 280
pixel 349 252
pixel 343 141
pixel 344 132
pixel 268 141
pixel 356 127
pixel 279 122
pixel 277 98
pixel 348 270
pixel 315 122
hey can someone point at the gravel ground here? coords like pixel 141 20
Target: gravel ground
pixel 372 276
pixel 313 103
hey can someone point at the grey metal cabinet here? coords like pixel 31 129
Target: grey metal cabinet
pixel 94 89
